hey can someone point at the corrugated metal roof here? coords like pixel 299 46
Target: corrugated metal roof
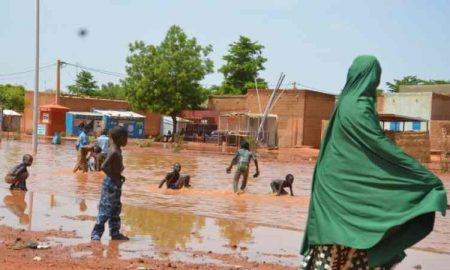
pixel 119 114
pixel 87 113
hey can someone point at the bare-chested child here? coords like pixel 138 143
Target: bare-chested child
pixel 110 204
pixel 242 160
pixel 278 186
pixel 18 175
pixel 174 180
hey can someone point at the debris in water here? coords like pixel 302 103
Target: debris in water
pixel 37 259
pixel 43 246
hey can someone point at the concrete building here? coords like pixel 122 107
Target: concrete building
pixel 435 88
pixel 431 106
pixel 300 112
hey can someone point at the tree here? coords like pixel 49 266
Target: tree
pixel 242 65
pixel 85 85
pixel 12 97
pixel 112 90
pixel 166 78
pixel 412 80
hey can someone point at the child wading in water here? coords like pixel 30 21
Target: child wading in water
pixel 278 186
pixel 174 180
pixel 242 160
pixel 18 175
pixel 110 205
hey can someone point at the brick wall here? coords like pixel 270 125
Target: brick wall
pixel 380 103
pixel 318 107
pixel 440 107
pixel 415 144
pixel 228 103
pixel 298 123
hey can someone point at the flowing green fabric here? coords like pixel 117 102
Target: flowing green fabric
pixel 366 192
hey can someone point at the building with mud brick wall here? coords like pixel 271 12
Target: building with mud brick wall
pixel 300 112
pixel 84 104
pixel 433 107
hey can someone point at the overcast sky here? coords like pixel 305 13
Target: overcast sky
pixel 313 42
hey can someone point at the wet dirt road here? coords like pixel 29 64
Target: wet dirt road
pixel 166 224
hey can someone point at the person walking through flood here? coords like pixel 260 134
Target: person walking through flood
pixel 110 204
pixel 242 160
pixel 18 175
pixel 370 201
pixel 103 142
pixel 83 149
pixel 278 186
pixel 174 180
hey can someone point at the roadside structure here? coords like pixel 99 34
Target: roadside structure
pixel 433 107
pixel 84 104
pixel 299 112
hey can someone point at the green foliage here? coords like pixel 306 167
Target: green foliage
pixel 412 80
pixel 112 90
pixel 166 78
pixel 380 92
pixel 242 65
pixel 12 97
pixel 85 85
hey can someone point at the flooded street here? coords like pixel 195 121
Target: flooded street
pixel 174 224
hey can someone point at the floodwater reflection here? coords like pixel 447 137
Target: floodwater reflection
pixel 167 230
pixel 15 202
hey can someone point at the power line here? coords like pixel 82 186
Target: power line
pixel 106 72
pixel 25 71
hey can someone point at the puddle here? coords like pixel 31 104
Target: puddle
pixel 175 224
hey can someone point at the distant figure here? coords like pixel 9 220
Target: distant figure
pixel 83 138
pixel 83 149
pixel 242 160
pixel 174 180
pixel 18 175
pixel 278 186
pixel 56 138
pixel 103 143
pixel 93 158
pixel 110 204
pixel 168 137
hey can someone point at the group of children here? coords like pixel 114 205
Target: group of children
pixel 111 163
pixel 91 157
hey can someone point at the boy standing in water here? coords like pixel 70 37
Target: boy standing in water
pixel 242 160
pixel 18 175
pixel 278 186
pixel 174 180
pixel 110 205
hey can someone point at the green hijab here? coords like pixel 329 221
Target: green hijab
pixel 366 192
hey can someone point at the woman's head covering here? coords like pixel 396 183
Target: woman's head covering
pixel 366 192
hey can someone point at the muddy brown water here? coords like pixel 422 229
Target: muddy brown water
pixel 165 223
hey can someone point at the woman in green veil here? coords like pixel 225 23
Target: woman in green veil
pixel 370 201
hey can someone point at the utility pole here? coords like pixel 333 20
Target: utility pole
pixel 58 81
pixel 36 85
